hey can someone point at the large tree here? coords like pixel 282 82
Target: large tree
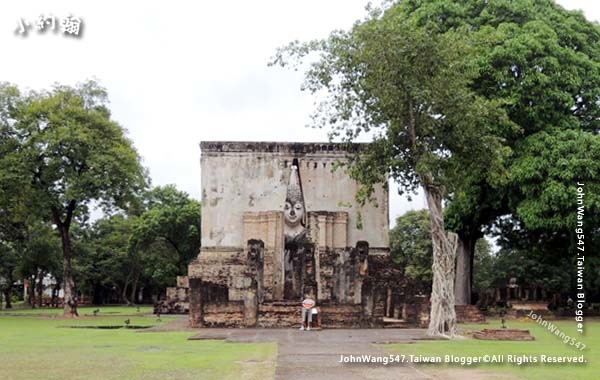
pixel 542 64
pixel 71 154
pixel 411 88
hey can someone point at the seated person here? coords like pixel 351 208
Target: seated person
pixel 307 316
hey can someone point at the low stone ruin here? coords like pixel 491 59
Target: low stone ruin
pixel 520 309
pixel 177 299
pixel 503 334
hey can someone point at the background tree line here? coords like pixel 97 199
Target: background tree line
pixel 535 260
pixel 62 155
pixel 120 258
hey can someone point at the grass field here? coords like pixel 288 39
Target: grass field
pixel 22 310
pixel 545 343
pixel 36 344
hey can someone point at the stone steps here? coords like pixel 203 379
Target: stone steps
pixel 282 314
pixel 392 323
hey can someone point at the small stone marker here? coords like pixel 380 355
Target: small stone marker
pixel 503 334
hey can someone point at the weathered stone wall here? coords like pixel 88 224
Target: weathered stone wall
pixel 469 314
pixel 183 282
pixel 239 177
pixel 177 299
pixel 224 315
pixel 225 266
pixel 177 294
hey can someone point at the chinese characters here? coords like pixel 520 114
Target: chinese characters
pixel 69 26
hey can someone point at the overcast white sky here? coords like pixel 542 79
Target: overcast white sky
pixel 179 72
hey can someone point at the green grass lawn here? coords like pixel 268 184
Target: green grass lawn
pixel 35 344
pixel 24 310
pixel 545 343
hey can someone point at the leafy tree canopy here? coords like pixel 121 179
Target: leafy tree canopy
pixel 67 153
pixel 484 269
pixel 42 251
pixel 541 63
pixel 410 245
pixel 172 218
pixel 102 264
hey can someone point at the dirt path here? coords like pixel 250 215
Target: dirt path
pixel 316 355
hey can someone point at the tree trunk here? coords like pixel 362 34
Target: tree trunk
pixel 133 294
pixel 40 287
pixel 116 290
pixel 70 292
pixel 8 296
pixel 463 284
pixel 55 291
pixel 140 299
pixel 31 291
pixel 442 318
pixel 124 292
pixel 71 299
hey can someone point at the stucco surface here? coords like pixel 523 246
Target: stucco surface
pixel 239 177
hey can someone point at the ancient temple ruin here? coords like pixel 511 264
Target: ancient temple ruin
pixel 279 222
